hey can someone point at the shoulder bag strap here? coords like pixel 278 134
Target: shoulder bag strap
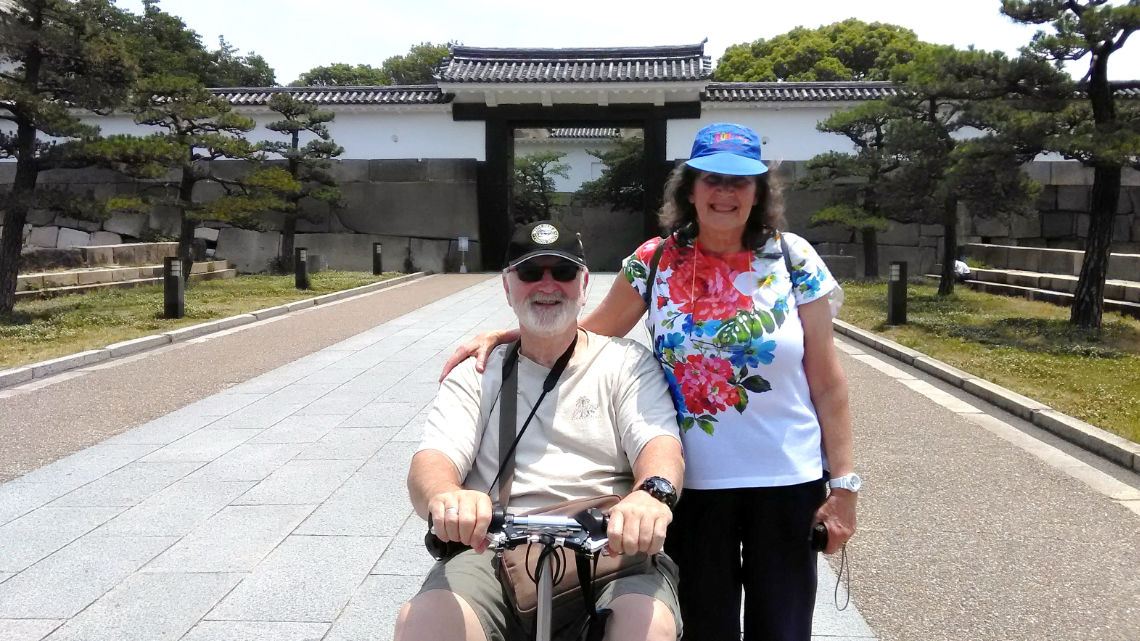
pixel 508 403
pixel 648 295
pixel 787 254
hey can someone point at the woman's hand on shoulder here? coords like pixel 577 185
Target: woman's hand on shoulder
pixel 480 347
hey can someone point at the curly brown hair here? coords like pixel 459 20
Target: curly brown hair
pixel 679 216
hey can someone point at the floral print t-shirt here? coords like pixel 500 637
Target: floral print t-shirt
pixel 727 333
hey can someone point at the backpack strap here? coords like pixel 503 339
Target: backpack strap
pixel 653 271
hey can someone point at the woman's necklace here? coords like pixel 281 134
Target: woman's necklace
pixel 728 259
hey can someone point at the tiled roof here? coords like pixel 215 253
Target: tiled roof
pixel 393 95
pixel 795 91
pixel 820 91
pixel 621 64
pixel 585 132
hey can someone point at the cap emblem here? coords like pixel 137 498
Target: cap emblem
pixel 544 234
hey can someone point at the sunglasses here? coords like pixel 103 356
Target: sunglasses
pixel 731 182
pixel 563 271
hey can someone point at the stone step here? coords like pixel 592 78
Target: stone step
pixel 146 280
pixel 1066 262
pixel 1124 290
pixel 1064 299
pixel 98 275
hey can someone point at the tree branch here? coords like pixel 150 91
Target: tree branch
pixel 1120 43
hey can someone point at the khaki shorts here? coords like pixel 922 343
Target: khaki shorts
pixel 472 576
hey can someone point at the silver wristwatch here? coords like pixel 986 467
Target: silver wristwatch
pixel 850 482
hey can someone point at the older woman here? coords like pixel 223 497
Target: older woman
pixel 742 328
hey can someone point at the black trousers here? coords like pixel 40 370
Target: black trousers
pixel 757 538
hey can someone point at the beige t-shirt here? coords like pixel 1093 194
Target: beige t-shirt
pixel 611 400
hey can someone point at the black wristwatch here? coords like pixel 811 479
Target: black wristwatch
pixel 660 489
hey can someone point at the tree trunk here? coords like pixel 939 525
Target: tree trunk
pixel 289 227
pixel 1088 299
pixel 870 252
pixel 19 200
pixel 24 184
pixel 186 231
pixel 949 246
pixel 288 234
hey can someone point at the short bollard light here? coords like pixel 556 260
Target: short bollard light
pixel 896 294
pixel 173 288
pixel 377 262
pixel 462 254
pixel 301 267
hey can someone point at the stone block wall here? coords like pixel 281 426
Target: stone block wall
pixel 420 206
pixel 417 208
pixel 1062 222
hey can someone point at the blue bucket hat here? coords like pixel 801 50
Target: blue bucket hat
pixel 724 148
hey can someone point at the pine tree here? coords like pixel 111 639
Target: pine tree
pixel 622 182
pixel 861 181
pixel 532 195
pixel 55 56
pixel 1097 131
pixel 199 129
pixel 944 92
pixel 308 166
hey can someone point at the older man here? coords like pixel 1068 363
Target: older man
pixel 607 426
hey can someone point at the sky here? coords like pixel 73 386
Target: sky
pixel 296 35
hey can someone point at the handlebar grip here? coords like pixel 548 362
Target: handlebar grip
pixel 498 518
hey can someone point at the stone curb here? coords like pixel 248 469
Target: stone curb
pixel 1090 437
pixel 25 373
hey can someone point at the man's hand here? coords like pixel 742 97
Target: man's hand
pixel 462 516
pixel 638 523
pixel 838 515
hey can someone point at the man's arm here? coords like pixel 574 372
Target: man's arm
pixel 446 453
pixel 457 514
pixel 639 521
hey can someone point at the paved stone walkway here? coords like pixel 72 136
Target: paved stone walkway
pixel 276 510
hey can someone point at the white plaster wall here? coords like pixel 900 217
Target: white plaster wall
pixel 372 134
pixel 790 129
pixel 583 166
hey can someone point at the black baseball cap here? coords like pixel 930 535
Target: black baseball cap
pixel 544 238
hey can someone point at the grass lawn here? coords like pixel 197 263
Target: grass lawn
pixel 39 330
pixel 1023 345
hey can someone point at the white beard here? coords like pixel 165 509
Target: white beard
pixel 547 320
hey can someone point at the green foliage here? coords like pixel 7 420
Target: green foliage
pixel 417 67
pixel 162 44
pixel 533 189
pixel 55 56
pixel 61 56
pixel 195 129
pixel 308 174
pixel 862 192
pixel 1098 131
pixel 228 69
pixel 343 75
pixel 622 183
pixel 943 93
pixel 848 50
